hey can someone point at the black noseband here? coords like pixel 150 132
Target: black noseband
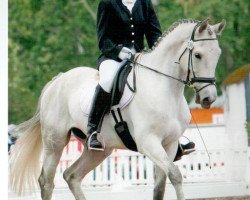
pixel 203 80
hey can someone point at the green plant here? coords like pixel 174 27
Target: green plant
pixel 248 128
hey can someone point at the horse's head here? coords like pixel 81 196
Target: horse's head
pixel 203 55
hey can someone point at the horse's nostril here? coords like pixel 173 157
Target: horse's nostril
pixel 207 99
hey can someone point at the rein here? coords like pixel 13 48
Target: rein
pixel 187 82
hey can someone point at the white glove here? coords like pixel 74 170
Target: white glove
pixel 125 53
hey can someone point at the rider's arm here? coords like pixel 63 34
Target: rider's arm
pixel 106 45
pixel 153 30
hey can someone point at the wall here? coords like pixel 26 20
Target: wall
pixel 235 118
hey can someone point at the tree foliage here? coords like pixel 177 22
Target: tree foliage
pixel 50 36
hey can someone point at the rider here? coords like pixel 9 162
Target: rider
pixel 121 26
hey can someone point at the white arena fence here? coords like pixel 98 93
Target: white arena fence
pixel 121 166
pixel 132 168
pixel 136 169
pixel 133 173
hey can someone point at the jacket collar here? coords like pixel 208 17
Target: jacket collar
pixel 137 5
pixel 124 8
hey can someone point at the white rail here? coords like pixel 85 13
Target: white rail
pixel 126 173
pixel 131 168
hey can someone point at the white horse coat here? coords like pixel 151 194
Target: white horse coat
pixel 157 116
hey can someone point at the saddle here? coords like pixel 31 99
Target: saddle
pixel 122 94
pixel 120 82
pixel 121 126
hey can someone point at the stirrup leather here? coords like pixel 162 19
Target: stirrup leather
pixel 94 148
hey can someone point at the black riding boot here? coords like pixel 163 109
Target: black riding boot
pixel 184 149
pixel 100 104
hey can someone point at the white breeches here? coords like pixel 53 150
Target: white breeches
pixel 107 71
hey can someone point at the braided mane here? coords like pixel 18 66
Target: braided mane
pixel 170 29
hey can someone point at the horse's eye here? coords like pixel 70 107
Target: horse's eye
pixel 197 55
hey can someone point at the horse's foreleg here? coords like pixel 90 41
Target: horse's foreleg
pixel 52 152
pixel 160 176
pixel 160 183
pixel 152 147
pixel 174 175
pixel 76 172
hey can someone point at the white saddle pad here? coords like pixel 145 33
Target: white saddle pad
pixel 88 93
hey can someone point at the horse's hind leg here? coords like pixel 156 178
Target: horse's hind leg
pixel 53 145
pixel 76 172
pixel 160 183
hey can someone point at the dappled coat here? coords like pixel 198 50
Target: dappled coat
pixel 117 27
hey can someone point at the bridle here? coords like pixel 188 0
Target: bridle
pixel 188 82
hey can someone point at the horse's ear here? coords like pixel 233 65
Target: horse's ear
pixel 204 25
pixel 218 28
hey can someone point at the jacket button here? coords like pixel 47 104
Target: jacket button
pixel 131 18
pixel 132 26
pixel 133 33
pixel 133 41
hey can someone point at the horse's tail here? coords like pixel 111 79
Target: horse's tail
pixel 25 155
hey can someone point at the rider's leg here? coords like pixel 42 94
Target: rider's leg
pixel 101 100
pixel 100 103
pixel 107 72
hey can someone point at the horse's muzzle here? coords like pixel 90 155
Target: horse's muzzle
pixel 205 103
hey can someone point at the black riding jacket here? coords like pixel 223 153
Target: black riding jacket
pixel 117 27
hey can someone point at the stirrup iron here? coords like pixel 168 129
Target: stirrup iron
pixel 93 148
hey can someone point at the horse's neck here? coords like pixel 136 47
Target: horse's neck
pixel 163 59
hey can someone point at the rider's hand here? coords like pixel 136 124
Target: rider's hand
pixel 125 54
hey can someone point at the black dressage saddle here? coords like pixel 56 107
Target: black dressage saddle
pixel 121 126
pixel 119 83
